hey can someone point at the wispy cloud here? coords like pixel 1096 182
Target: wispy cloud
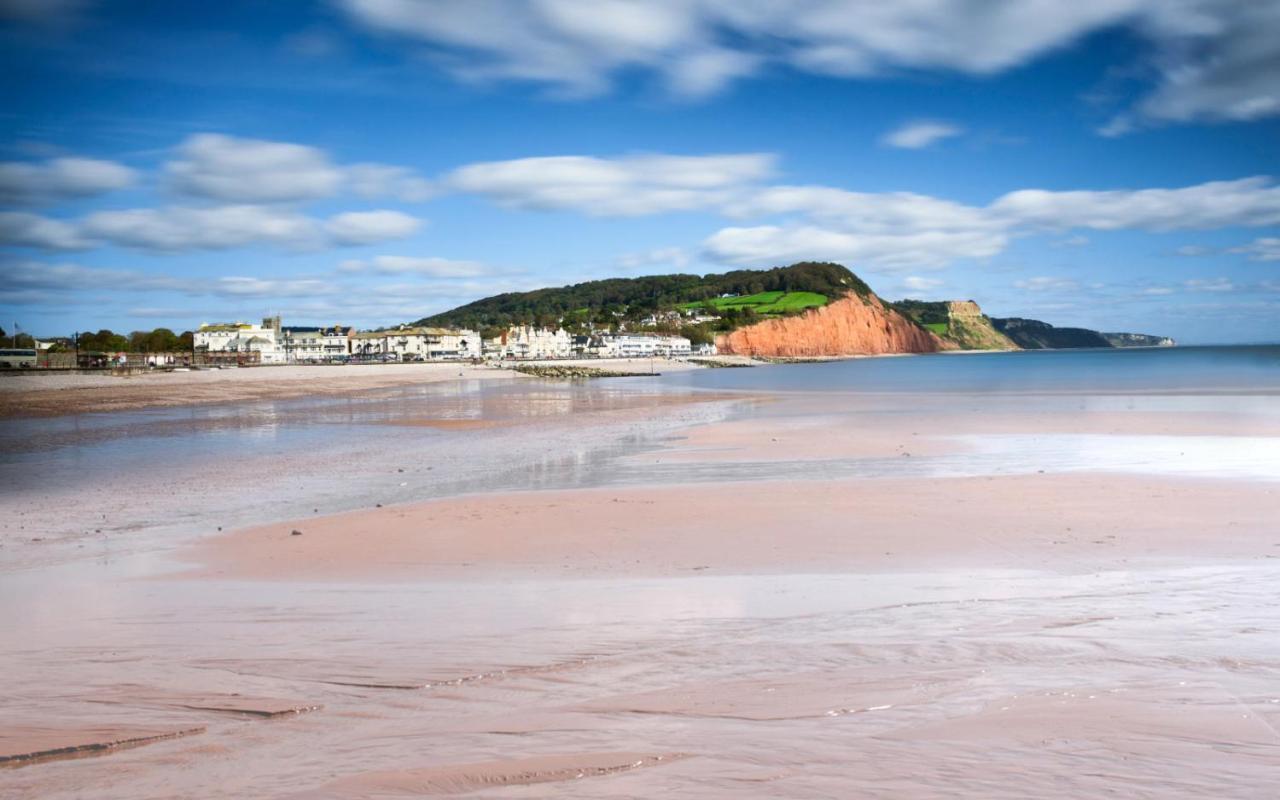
pixel 1211 60
pixel 184 228
pixel 28 183
pixel 920 134
pixel 238 170
pixel 623 186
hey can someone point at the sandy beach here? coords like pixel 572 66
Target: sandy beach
pixel 1099 523
pixel 715 594
pixel 74 393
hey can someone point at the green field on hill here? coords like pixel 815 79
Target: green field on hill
pixel 939 328
pixel 766 302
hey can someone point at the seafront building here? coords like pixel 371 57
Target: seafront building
pixel 272 343
pixel 303 345
pixel 528 342
pixel 645 345
pixel 262 342
pixel 417 344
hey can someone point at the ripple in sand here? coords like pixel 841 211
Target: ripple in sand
pixel 375 677
pixel 461 778
pixel 224 702
pixel 21 745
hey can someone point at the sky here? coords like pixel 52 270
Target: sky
pixel 1111 164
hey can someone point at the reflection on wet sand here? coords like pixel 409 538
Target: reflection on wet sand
pixel 1072 597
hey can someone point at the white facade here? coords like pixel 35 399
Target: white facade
pixel 639 345
pixel 242 337
pixel 525 341
pixel 417 344
pixel 303 345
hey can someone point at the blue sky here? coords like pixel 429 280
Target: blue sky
pixel 1104 163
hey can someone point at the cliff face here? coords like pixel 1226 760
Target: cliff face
pixel 849 326
pixel 972 330
pixel 1138 340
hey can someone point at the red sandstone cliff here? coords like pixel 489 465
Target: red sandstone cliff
pixel 845 327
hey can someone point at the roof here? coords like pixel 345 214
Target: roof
pixel 224 326
pixel 335 330
pixel 420 331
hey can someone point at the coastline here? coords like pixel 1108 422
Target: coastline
pixel 639 588
pixel 56 394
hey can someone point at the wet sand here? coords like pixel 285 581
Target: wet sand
pixel 52 394
pixel 826 597
pixel 1076 523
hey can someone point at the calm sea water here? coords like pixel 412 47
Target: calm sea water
pixel 1176 369
pixel 178 466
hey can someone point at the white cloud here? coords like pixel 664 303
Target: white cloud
pixel 410 265
pixel 238 170
pixel 921 134
pixel 1209 285
pixel 1264 249
pixel 23 183
pixel 772 244
pixel 1249 201
pixel 905 230
pixel 894 212
pixel 70 277
pixel 1219 59
pixel 371 227
pixel 181 228
pixel 1046 284
pixel 233 286
pixel 215 228
pixel 66 278
pixel 1212 59
pixel 916 283
pixel 891 231
pixel 20 229
pixel 384 180
pixel 625 186
pixel 675 258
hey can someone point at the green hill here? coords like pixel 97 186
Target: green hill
pixel 1032 334
pixel 743 294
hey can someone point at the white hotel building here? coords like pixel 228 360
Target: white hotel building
pixel 417 344
pixel 316 345
pixel 640 345
pixel 243 337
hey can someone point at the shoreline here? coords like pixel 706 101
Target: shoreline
pixel 571 582
pixel 56 394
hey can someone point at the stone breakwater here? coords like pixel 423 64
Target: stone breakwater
pixel 575 373
pixel 714 364
pixel 848 326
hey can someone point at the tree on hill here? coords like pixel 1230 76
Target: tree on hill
pixel 635 298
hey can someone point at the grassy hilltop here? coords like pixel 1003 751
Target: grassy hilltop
pixel 742 298
pixel 751 295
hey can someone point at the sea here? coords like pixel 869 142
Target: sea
pixel 1133 680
